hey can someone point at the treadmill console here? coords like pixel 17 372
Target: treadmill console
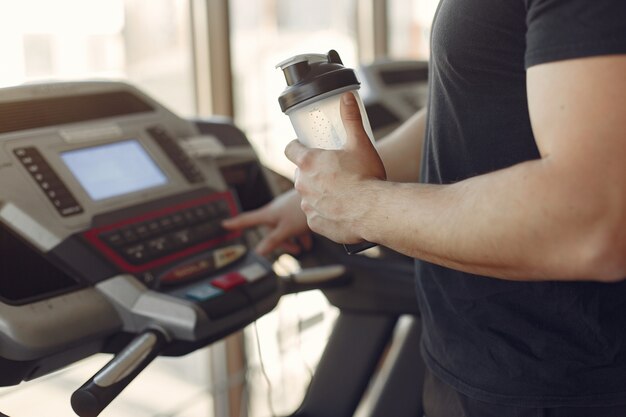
pixel 109 225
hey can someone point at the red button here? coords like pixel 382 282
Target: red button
pixel 228 281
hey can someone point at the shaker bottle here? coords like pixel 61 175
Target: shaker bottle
pixel 315 83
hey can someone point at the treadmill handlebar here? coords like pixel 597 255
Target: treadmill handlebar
pixel 102 388
pixel 97 393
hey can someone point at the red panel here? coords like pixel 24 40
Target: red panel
pixel 92 234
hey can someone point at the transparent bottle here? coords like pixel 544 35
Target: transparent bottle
pixel 315 84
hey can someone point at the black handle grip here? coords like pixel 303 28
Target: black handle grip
pixel 93 397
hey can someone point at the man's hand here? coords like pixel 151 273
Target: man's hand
pixel 334 184
pixel 286 222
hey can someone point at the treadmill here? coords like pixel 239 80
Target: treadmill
pixel 110 241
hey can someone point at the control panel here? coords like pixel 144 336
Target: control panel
pixel 160 237
pixel 49 182
pixel 111 226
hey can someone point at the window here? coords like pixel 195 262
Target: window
pixel 409 28
pixel 265 32
pixel 145 42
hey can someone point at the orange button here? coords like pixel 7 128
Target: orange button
pixel 188 270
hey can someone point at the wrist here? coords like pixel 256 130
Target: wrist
pixel 369 218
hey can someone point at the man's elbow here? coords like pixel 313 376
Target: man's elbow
pixel 605 257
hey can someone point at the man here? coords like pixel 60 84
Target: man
pixel 520 220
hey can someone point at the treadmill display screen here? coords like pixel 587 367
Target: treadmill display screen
pixel 114 169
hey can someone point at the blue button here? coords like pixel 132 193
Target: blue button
pixel 203 292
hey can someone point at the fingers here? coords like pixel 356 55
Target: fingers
pixel 291 247
pixel 296 152
pixel 352 121
pixel 297 245
pixel 245 220
pixel 271 241
pixel 306 241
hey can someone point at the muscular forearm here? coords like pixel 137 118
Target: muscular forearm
pixel 532 221
pixel 401 150
pixel 560 217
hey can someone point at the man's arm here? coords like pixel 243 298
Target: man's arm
pixel 401 150
pixel 562 217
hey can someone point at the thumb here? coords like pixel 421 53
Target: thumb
pixel 352 121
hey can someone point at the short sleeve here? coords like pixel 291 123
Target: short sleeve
pixel 567 29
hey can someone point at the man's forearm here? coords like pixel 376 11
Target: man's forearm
pixel 527 222
pixel 401 150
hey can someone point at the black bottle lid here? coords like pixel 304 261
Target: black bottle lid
pixel 311 75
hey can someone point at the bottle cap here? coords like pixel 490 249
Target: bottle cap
pixel 311 75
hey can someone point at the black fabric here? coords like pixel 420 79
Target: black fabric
pixel 541 344
pixel 441 400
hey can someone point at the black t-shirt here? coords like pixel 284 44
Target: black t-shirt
pixel 517 343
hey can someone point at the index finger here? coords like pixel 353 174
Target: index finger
pixel 296 152
pixel 245 220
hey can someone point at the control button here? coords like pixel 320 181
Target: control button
pixel 142 230
pixel 33 168
pixel 70 210
pixel 114 239
pixel 228 255
pixel 31 159
pixel 253 272
pixel 188 270
pixel 51 184
pixel 178 220
pixel 41 168
pixel 135 254
pixel 212 210
pixel 129 235
pixel 21 151
pixel 181 237
pixel 64 202
pixel 201 213
pixel 228 281
pixel 205 231
pixel 57 193
pixel 223 207
pixel 166 223
pixel 154 227
pixel 158 246
pixel 203 292
pixel 190 216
